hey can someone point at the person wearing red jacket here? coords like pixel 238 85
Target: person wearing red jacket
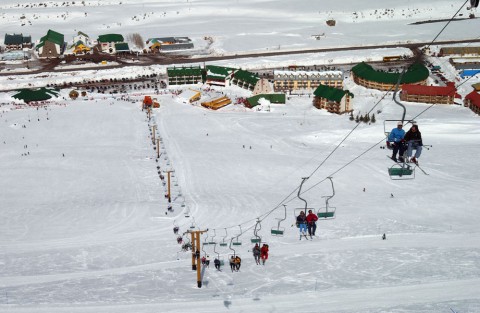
pixel 311 223
pixel 264 253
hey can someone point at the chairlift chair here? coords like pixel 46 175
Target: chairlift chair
pixel 230 246
pixel 279 231
pixel 256 239
pixel 212 241
pixel 306 208
pixel 224 243
pixel 237 242
pixel 401 171
pixel 327 212
pixel 222 261
pixel 193 224
pixel 205 242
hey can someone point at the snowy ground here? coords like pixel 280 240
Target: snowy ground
pixel 250 25
pixel 88 232
pixel 83 223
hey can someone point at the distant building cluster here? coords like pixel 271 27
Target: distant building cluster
pixel 53 44
pixel 325 87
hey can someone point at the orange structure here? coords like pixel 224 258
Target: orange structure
pixel 217 103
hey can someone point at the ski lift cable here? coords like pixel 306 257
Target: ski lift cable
pixel 287 200
pixel 449 21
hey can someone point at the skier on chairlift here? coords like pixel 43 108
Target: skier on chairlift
pixel 302 224
pixel 396 142
pixel 312 219
pixel 264 253
pixel 414 141
pixel 256 253
pixel 217 263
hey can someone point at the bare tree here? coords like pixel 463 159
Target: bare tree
pixel 136 39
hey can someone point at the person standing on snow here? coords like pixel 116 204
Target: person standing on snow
pixel 264 253
pixel 396 142
pixel 312 223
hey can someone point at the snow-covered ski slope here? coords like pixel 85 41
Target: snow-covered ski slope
pixel 233 27
pixel 88 232
pixel 83 225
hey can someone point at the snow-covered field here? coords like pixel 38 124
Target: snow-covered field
pixel 247 25
pixel 84 225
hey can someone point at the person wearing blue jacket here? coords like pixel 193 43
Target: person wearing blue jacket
pixel 396 142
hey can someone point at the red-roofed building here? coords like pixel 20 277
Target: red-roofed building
pixel 472 100
pixel 429 94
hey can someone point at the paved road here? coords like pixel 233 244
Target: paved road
pixel 148 59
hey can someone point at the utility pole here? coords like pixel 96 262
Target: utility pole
pixel 168 186
pixel 196 253
pixel 154 127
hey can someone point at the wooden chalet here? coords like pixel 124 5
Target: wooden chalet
pixel 472 100
pixel 429 94
pixel 332 99
pixel 51 45
pixel 365 75
pixel 107 42
pixel 17 42
pixel 218 75
pixel 244 79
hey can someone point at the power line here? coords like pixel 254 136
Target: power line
pixel 287 200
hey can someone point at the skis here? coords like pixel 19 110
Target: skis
pixel 422 170
pixel 398 162
pixel 303 236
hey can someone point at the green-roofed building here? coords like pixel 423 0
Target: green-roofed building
pixel 332 99
pixel 17 41
pixel 51 45
pixel 365 75
pixel 33 95
pixel 244 79
pixel 122 47
pixel 218 75
pixel 271 97
pixel 184 75
pixel 107 42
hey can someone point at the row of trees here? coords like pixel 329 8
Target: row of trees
pixel 363 118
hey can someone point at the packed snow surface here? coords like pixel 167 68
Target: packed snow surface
pixel 84 225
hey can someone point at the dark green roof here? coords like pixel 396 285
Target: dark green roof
pixel 110 38
pixel 246 76
pixel 122 47
pixel 184 71
pixel 272 97
pixel 54 37
pixel 39 94
pixel 415 73
pixel 218 72
pixel 82 33
pixel 16 39
pixel 331 93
